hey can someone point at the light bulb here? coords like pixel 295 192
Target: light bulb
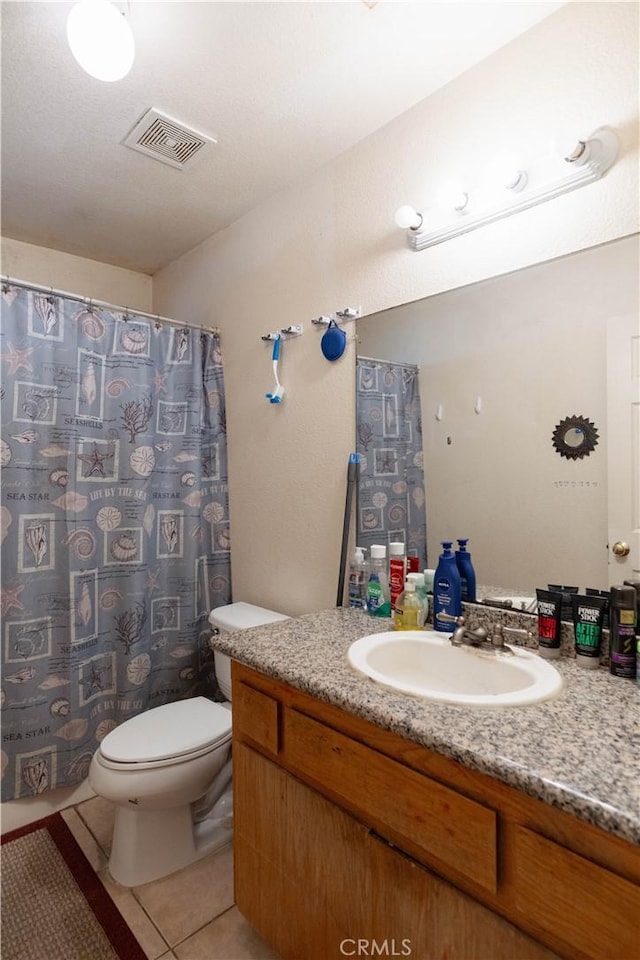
pixel 100 39
pixel 507 171
pixel 451 195
pixel 571 148
pixel 408 218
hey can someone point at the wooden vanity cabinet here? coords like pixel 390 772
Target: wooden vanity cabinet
pixel 345 832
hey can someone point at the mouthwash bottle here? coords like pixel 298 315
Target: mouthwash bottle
pixel 447 590
pixel 378 598
pixel 466 571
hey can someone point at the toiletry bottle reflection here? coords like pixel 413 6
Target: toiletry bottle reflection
pixel 357 580
pixel 466 571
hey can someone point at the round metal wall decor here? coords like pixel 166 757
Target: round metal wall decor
pixel 575 437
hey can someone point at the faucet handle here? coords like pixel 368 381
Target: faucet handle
pixel 448 618
pixel 499 630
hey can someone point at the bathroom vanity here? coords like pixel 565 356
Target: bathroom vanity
pixel 368 823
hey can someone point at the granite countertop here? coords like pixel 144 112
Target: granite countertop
pixel 579 752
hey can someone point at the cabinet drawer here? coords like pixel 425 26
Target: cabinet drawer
pixel 255 717
pixel 591 908
pixel 407 807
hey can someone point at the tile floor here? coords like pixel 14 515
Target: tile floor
pixel 189 915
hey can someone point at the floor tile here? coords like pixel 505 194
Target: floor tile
pixel 228 937
pixel 186 900
pixel 99 814
pixel 137 920
pixel 85 839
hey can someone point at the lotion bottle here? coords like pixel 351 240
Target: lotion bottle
pixel 447 590
pixel 466 571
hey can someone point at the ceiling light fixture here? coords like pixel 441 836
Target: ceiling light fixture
pixel 100 39
pixel 589 158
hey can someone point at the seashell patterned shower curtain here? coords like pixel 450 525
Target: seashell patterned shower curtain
pixel 391 498
pixel 114 522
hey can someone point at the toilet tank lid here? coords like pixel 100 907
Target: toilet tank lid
pixel 171 730
pixel 241 616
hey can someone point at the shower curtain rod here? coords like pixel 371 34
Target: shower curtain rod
pixel 397 363
pixel 127 311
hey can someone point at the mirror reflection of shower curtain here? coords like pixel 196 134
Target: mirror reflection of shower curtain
pixel 114 524
pixel 391 497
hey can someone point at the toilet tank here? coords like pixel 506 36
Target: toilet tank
pixel 237 616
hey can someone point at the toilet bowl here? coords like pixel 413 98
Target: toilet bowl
pixel 168 772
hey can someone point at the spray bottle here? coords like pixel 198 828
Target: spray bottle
pixel 622 634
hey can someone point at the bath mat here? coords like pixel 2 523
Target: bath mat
pixel 54 906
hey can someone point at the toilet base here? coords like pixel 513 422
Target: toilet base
pixel 149 844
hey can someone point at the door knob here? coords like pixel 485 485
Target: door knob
pixel 621 549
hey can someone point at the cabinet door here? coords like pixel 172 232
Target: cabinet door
pixel 591 908
pixel 301 871
pixel 424 917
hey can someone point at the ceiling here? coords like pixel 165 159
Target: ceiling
pixel 284 87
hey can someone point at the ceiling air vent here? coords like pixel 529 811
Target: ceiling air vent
pixel 166 139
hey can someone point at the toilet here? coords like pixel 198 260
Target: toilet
pixel 168 771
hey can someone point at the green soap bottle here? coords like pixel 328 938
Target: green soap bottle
pixel 378 597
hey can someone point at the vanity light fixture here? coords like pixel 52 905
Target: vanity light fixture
pixel 588 159
pixel 100 39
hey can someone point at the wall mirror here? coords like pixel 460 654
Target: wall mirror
pixel 500 364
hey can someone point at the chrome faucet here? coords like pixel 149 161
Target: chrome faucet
pixel 491 639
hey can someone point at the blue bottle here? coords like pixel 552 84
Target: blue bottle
pixel 466 571
pixel 447 590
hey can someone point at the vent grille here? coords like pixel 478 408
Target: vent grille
pixel 166 139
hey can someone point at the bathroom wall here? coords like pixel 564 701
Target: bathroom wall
pixel 87 278
pixel 329 241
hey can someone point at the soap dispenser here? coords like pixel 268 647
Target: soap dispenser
pixel 447 590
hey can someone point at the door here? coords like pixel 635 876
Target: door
pixel 623 447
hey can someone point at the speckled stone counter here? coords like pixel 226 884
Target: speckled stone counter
pixel 579 752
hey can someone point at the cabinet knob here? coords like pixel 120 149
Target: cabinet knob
pixel 621 548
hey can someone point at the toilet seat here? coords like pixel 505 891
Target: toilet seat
pixel 172 733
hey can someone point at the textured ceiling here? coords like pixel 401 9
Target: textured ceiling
pixel 283 87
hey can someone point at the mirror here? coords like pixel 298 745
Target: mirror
pixel 510 370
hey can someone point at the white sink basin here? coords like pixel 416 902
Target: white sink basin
pixel 424 663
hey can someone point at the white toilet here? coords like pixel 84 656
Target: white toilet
pixel 168 770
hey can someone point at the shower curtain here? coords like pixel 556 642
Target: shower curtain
pixel 114 524
pixel 391 498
